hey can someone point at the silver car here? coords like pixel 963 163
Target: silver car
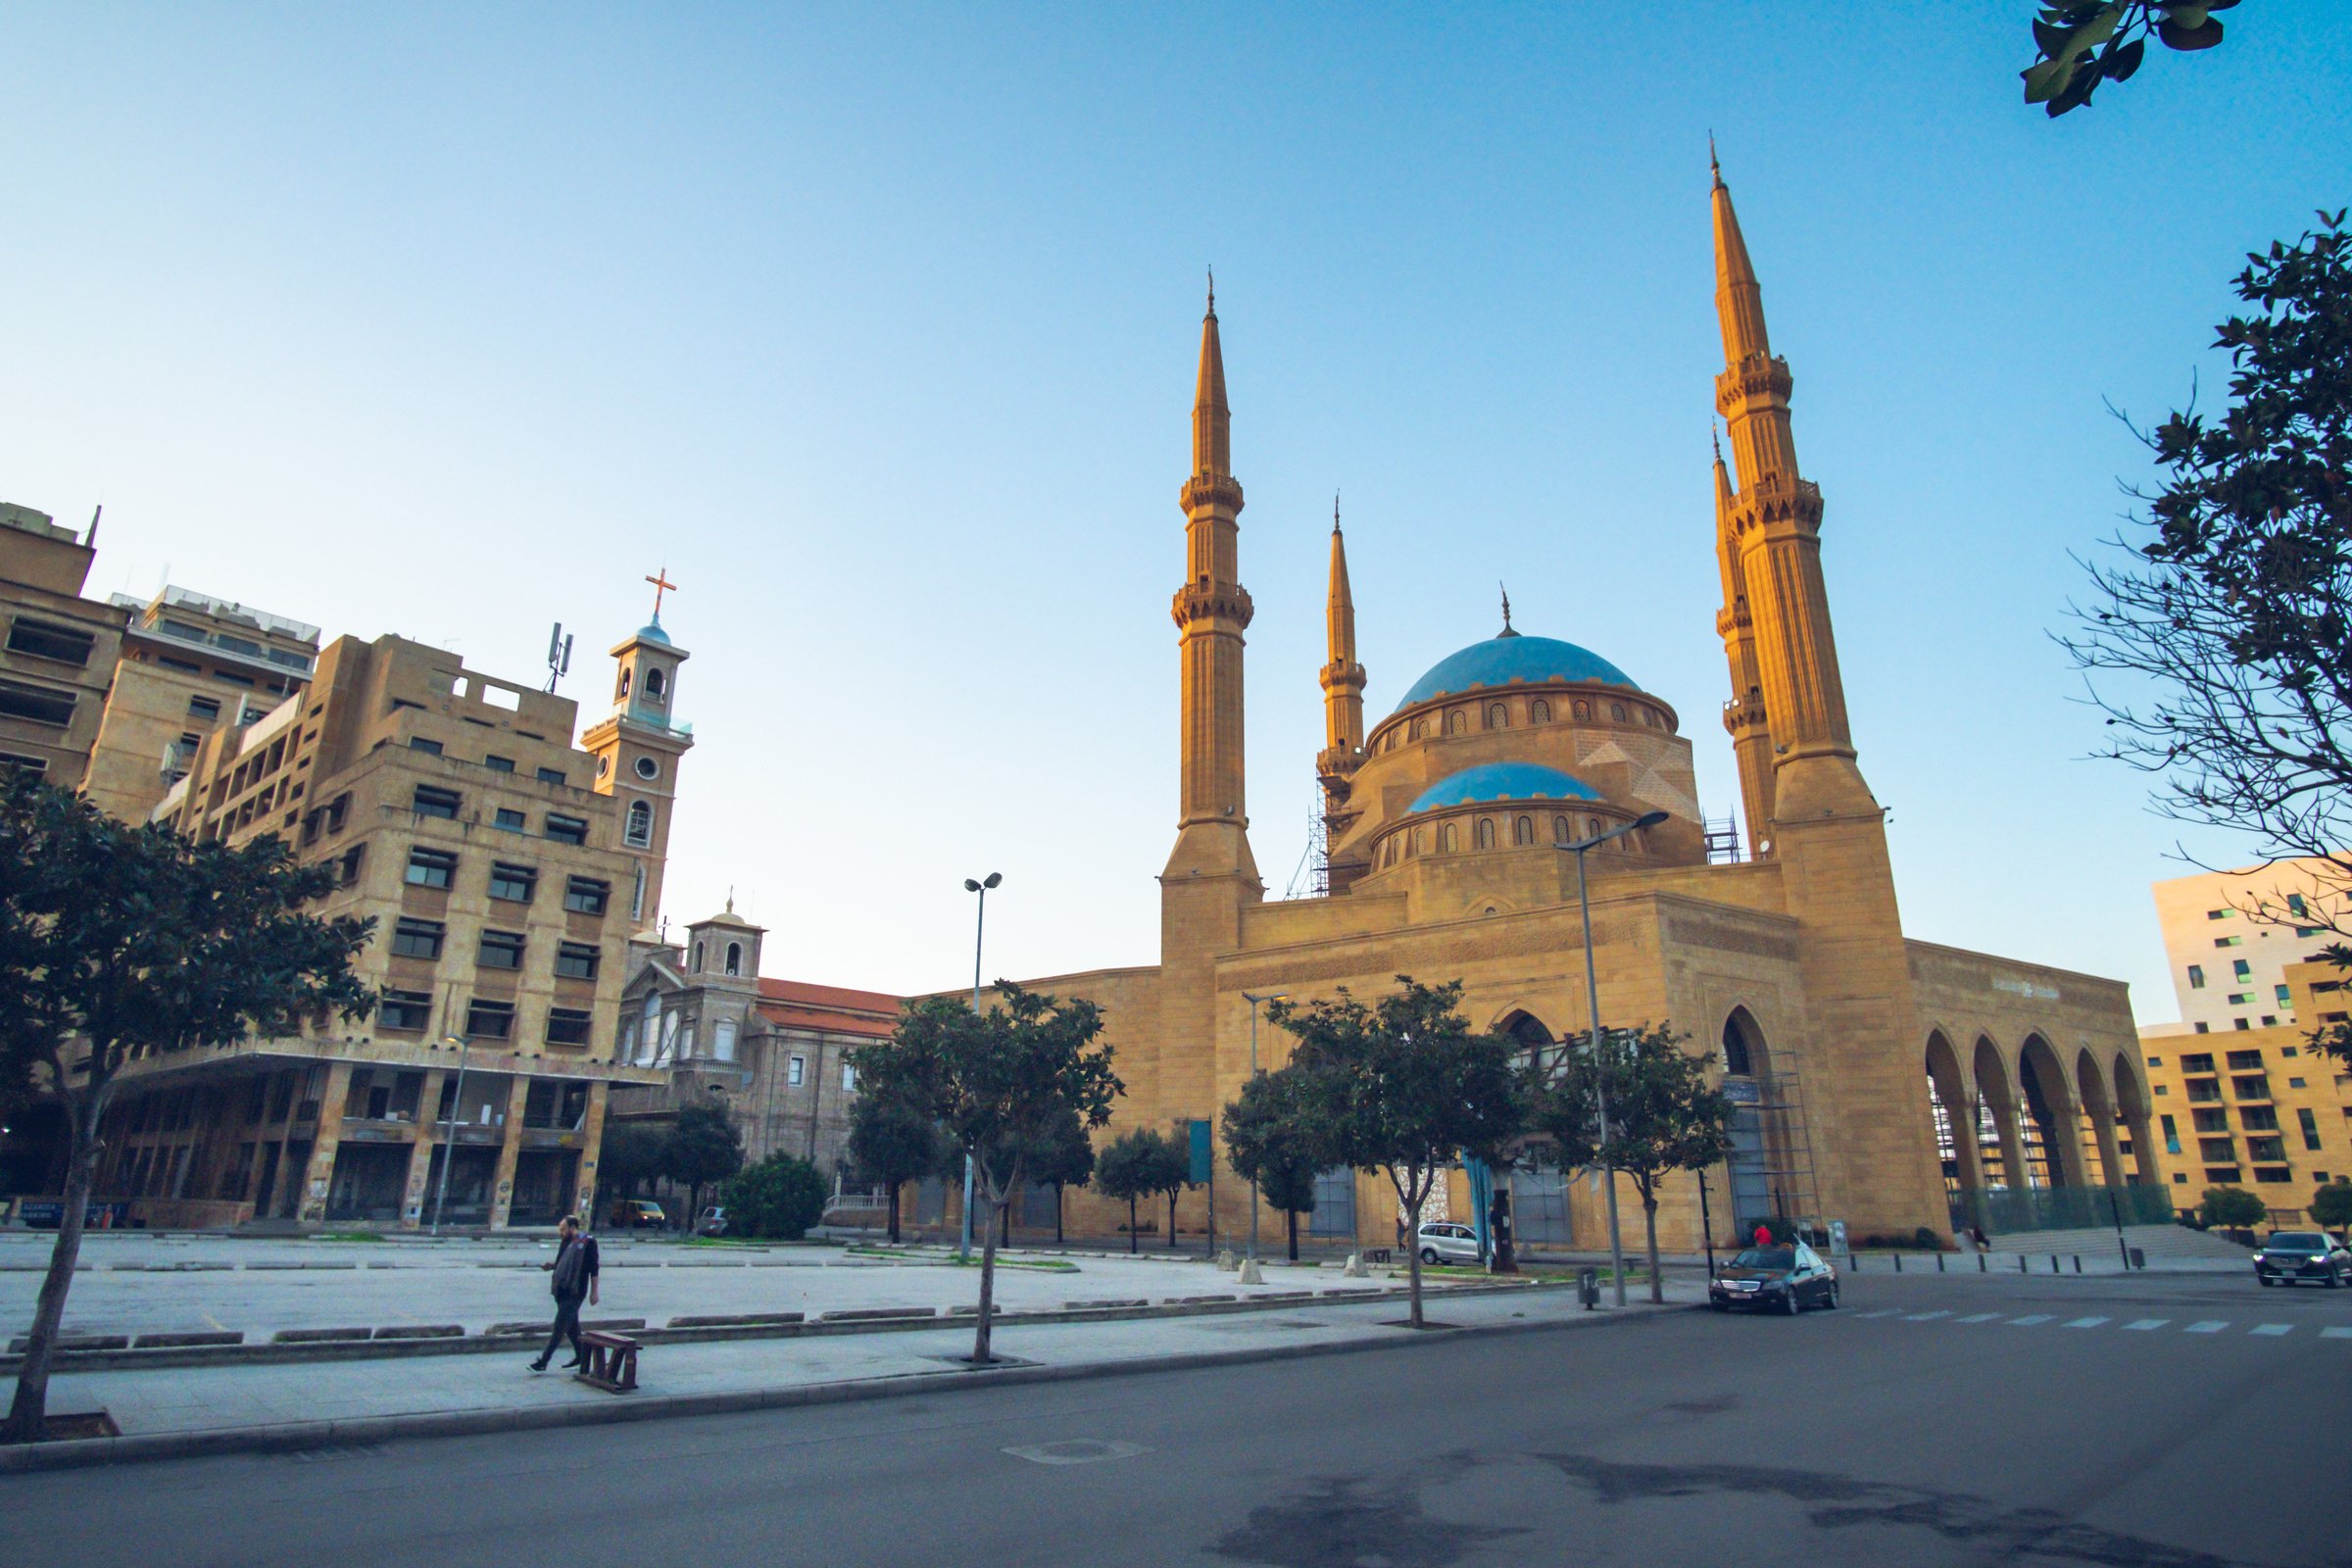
pixel 1442 1241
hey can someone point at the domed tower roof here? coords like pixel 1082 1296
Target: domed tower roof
pixel 1503 781
pixel 1512 657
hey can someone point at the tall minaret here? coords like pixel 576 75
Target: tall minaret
pixel 1744 716
pixel 1775 519
pixel 1342 711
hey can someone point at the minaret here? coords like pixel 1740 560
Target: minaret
pixel 1342 710
pixel 1211 611
pixel 1775 519
pixel 1744 716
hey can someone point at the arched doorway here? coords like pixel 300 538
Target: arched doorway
pixel 2131 1109
pixel 1746 1081
pixel 2053 1139
pixel 1952 1108
pixel 1539 1188
pixel 2001 1147
pixel 2098 1118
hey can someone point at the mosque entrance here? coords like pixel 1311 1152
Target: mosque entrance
pixel 1771 1163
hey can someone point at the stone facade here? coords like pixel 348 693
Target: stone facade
pixel 58 654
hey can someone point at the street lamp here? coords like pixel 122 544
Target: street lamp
pixel 1253 999
pixel 449 1128
pixel 1600 1086
pixel 964 1252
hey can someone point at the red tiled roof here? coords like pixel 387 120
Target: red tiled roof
pixel 803 1004
pixel 810 994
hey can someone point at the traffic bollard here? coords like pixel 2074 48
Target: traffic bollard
pixel 1898 1262
pixel 1938 1262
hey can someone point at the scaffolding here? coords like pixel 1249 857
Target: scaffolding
pixel 1311 879
pixel 1784 1158
pixel 1722 840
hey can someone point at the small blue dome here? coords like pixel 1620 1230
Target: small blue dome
pixel 1503 781
pixel 1500 660
pixel 651 633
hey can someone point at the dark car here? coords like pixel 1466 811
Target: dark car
pixel 2291 1257
pixel 1774 1279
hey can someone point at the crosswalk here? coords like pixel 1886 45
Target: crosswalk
pixel 2140 1324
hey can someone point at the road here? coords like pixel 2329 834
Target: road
pixel 2102 1421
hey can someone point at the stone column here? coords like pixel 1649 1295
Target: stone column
pixel 421 1151
pixel 311 1201
pixel 502 1194
pixel 592 1143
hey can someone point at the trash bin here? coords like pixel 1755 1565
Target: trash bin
pixel 1587 1288
pixel 2139 1259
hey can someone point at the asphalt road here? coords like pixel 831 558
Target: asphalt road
pixel 2115 1426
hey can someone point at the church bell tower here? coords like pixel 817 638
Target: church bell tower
pixel 637 748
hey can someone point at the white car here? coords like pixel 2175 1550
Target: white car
pixel 1445 1242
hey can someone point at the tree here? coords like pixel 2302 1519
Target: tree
pixel 2332 1204
pixel 779 1197
pixel 1662 1115
pixel 1403 1086
pixel 998 1083
pixel 117 940
pixel 2232 1208
pixel 895 1144
pixel 1270 1136
pixel 703 1149
pixel 2233 597
pixel 2084 42
pixel 630 1157
pixel 1135 1166
pixel 1063 1157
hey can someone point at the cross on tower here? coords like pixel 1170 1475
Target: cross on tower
pixel 662 585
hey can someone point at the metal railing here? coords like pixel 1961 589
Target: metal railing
pixel 2001 1209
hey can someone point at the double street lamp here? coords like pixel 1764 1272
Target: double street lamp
pixel 979 930
pixel 1253 999
pixel 1600 1084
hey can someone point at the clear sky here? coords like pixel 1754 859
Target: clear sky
pixel 877 326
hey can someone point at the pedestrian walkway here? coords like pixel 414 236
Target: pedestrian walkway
pixel 2143 1325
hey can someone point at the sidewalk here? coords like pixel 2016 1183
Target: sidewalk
pixel 174 1413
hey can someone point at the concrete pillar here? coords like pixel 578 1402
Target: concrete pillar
pixel 311 1201
pixel 592 1143
pixel 425 1139
pixel 510 1148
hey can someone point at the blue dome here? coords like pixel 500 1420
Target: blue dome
pixel 1500 660
pixel 651 633
pixel 1503 781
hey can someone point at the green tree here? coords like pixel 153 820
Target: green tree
pixel 2220 642
pixel 630 1157
pixel 2084 42
pixel 895 1144
pixel 1403 1086
pixel 1663 1116
pixel 780 1197
pixel 2332 1204
pixel 1270 1137
pixel 998 1081
pixel 117 940
pixel 1170 1173
pixel 2232 1208
pixel 1132 1167
pixel 703 1149
pixel 1063 1156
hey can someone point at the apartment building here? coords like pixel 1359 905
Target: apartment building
pixel 504 866
pixel 58 653
pixel 2229 967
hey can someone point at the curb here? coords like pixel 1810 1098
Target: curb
pixel 90 1452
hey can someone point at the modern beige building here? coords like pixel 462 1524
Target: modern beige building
pixel 504 869
pixel 58 657
pixel 1853 1051
pixel 2231 937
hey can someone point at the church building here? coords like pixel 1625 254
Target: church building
pixel 1883 1081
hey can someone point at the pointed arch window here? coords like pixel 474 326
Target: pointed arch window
pixel 1420 841
pixel 1523 832
pixel 1486 832
pixel 1450 839
pixel 1560 831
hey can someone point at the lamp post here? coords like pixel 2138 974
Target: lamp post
pixel 449 1129
pixel 1600 1084
pixel 964 1252
pixel 1253 999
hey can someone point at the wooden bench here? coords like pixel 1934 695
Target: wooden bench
pixel 612 1362
pixel 1376 1254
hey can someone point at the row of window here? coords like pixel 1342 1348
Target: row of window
pixel 509 881
pixel 41 639
pixel 1498 717
pixel 36 704
pixel 413 938
pixel 486 1018
pixel 437 801
pixel 496 764
pixel 1485 837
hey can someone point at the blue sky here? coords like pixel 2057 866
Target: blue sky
pixel 877 326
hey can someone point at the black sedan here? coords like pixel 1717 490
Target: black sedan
pixel 2292 1257
pixel 1774 1279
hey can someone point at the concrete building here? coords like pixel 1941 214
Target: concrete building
pixel 2230 962
pixel 59 655
pixel 504 868
pixel 1853 1051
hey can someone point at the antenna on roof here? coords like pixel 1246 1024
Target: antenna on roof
pixel 90 542
pixel 558 657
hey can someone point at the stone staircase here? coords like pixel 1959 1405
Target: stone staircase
pixel 2163 1245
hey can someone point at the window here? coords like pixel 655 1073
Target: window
pixel 185 665
pixel 499 765
pixel 2229 942
pixel 1497 716
pixel 203 707
pixel 2241 998
pixel 576 960
pixel 2155 1062
pixel 696 966
pixel 63 643
pixel 2259 1119
pixel 722 1040
pixel 2204 1028
pixel 2267 1020
pixel 418 939
pixel 2294 1083
pixel 2242 969
pixel 640 832
pixel 2311 1128
pixel 1486 832
pixel 35 705
pixel 1560 833
pixel 568 1026
pixel 793 1070
pixel 734 957
pixel 1457 723
pixel 848 1079
pixel 2197 977
pixel 2239 1023
pixel 584 896
pixel 2289 1052
pixel 2282 994
pixel 2217 914
pixel 432 801
pixel 508 819
pixel 403 1011
pixel 2172 1136
pixel 431 868
pixel 513 883
pixel 489 1020
pixel 417 743
pixel 2307 930
pixel 647 767
pixel 551 775
pixel 1523 832
pixel 500 949
pixel 2294 904
pixel 1539 712
pixel 566 829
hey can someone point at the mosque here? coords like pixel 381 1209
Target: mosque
pixel 1882 1081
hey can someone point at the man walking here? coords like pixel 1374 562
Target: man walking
pixel 574 1268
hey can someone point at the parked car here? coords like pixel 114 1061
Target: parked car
pixel 2291 1257
pixel 638 1214
pixel 1445 1242
pixel 713 1221
pixel 1776 1279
